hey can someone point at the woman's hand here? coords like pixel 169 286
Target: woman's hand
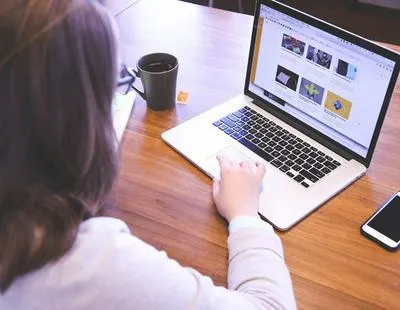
pixel 237 194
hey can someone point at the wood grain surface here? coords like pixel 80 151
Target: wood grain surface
pixel 167 201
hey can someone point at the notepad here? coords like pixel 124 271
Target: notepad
pixel 121 110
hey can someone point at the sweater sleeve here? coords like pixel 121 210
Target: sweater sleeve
pixel 128 273
pixel 109 268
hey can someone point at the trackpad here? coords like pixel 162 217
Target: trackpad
pixel 235 155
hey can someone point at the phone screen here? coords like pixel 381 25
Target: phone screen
pixel 387 221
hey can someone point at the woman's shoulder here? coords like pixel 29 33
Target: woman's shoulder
pixel 98 225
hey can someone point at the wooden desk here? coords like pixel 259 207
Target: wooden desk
pixel 167 202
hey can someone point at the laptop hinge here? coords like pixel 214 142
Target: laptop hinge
pixel 300 127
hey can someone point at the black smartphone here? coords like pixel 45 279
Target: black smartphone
pixel 383 226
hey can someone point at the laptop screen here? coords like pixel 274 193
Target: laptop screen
pixel 330 84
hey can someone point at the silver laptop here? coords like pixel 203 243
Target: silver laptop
pixel 314 102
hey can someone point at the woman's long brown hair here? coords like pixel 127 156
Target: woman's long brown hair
pixel 57 156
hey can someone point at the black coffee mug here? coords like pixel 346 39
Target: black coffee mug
pixel 158 73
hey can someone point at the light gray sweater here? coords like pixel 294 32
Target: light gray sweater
pixel 108 268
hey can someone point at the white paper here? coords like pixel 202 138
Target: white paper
pixel 122 107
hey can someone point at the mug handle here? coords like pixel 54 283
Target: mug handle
pixel 132 72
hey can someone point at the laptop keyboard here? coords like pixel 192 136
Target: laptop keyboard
pixel 296 158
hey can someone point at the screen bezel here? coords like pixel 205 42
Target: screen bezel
pixel 376 234
pixel 300 125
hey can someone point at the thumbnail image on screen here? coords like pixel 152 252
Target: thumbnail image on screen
pixel 338 105
pixel 318 56
pixel 311 91
pixel 292 44
pixel 287 78
pixel 347 70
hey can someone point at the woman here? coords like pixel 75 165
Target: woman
pixel 58 70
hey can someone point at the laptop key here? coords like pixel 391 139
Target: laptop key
pixel 252 131
pixel 306 166
pixel 233 118
pixel 305 184
pixel 296 168
pixel 289 163
pixel 306 150
pixel 330 165
pixel 237 128
pixel 217 123
pixel 306 144
pixel 290 174
pixel 328 158
pixel 284 168
pixel 336 163
pixel 292 156
pixel 265 139
pixel 278 148
pixel 262 145
pixel 229 131
pixel 257 126
pixel 248 114
pixel 283 143
pixel 243 110
pixel 244 119
pixel 325 170
pixel 251 123
pixel 311 161
pixel 276 139
pixel 299 178
pixel 268 149
pixel 246 108
pixel 263 130
pixel 313 154
pixel 303 156
pixel 223 127
pixel 254 117
pixel 240 123
pixel 289 147
pixel 297 152
pixel 228 122
pixel 276 163
pixel 282 158
pixel 260 121
pixel 236 135
pixel 249 137
pixel 275 153
pixel 320 159
pixel 299 161
pixel 318 165
pixel 243 132
pixel 255 140
pixel 251 146
pixel 271 143
pixel 285 152
pixel 320 153
pixel 317 173
pixel 299 146
pixel 309 176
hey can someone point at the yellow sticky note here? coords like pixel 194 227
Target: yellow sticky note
pixel 183 97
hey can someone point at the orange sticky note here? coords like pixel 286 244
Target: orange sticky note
pixel 183 97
